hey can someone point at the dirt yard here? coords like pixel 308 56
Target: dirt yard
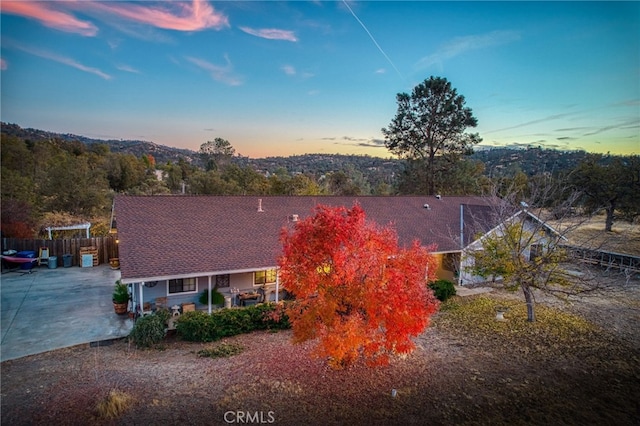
pixel 590 233
pixel 578 364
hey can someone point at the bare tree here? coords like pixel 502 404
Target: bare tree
pixel 530 247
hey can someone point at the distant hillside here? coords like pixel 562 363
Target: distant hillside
pixel 319 164
pixel 161 153
pixel 531 160
pixel 498 161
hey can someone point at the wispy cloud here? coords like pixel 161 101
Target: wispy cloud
pixel 223 74
pixel 55 57
pixel 571 129
pixel 371 37
pixel 460 45
pixel 628 102
pixel 289 70
pixel 49 17
pixel 127 68
pixel 529 123
pixel 631 123
pixel 381 71
pixel 293 72
pixel 353 141
pixel 3 64
pixel 271 33
pixel 178 16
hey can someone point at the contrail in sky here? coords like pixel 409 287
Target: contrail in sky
pixel 372 39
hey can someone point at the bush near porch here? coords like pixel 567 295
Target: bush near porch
pixel 199 326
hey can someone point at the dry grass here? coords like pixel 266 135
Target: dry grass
pixel 114 405
pixel 590 233
pixel 221 350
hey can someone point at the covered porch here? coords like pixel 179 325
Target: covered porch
pixel 183 293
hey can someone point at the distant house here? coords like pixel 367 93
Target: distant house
pixel 172 248
pixel 542 237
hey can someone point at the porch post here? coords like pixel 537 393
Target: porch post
pixel 209 301
pixel 141 301
pixel 461 226
pixel 277 285
pixel 461 244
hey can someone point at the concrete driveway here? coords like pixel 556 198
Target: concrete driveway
pixel 56 308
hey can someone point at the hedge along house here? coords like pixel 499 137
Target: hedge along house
pixel 172 248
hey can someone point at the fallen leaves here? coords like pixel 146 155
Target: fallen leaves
pixel 468 368
pixel 553 331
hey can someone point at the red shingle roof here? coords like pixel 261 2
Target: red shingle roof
pixel 164 236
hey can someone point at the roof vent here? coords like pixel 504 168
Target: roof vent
pixel 295 217
pixel 438 196
pixel 427 206
pixel 260 205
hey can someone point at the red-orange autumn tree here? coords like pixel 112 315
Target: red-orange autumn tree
pixel 355 289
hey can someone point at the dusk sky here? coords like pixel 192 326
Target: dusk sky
pixel 284 78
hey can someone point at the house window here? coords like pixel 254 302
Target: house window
pixel 222 280
pixel 264 277
pixel 182 285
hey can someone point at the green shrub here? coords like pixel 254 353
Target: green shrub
pixel 216 297
pixel 148 330
pixel 229 322
pixel 201 327
pixel 163 314
pixel 443 289
pixel 195 326
pixel 223 350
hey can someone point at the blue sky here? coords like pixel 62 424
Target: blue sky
pixel 284 78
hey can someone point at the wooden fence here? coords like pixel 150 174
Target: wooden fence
pixel 107 247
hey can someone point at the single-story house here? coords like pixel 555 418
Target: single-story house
pixel 172 248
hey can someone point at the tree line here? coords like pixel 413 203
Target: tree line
pixel 57 181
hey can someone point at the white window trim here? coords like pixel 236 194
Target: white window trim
pixel 275 279
pixel 195 279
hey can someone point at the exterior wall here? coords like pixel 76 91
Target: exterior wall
pixel 241 282
pixel 467 278
pixel 149 294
